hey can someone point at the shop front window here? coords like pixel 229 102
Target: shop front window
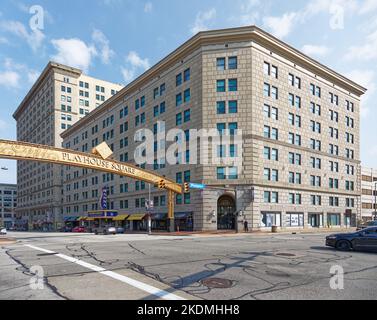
pixel 269 219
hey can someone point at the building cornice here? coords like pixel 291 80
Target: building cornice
pixel 40 81
pixel 249 33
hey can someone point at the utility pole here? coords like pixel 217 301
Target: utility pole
pixel 149 210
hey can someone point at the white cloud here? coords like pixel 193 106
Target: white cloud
pixel 18 68
pixel 9 79
pixel 315 50
pixel 128 74
pixel 368 6
pixel 134 65
pixel 134 59
pixel 33 38
pixel 73 52
pixel 3 40
pixel 365 52
pixel 202 20
pixel 366 79
pixel 248 15
pixel 106 52
pixel 281 26
pixel 148 7
pixel 32 75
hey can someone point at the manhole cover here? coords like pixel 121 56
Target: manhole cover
pixel 285 254
pixel 217 283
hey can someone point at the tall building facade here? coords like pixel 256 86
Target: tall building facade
pixel 300 136
pixel 8 205
pixel 369 193
pixel 60 97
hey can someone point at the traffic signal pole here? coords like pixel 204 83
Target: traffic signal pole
pixel 171 211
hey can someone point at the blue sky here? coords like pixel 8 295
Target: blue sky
pixel 118 39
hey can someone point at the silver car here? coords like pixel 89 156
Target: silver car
pixel 105 230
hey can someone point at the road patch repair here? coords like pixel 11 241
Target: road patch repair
pixel 6 240
pixel 125 279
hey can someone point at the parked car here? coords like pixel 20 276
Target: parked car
pixel 105 230
pixel 65 229
pixel 367 225
pixel 365 239
pixel 78 229
pixel 120 230
pixel 3 231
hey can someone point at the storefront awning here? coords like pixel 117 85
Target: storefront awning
pixel 71 219
pixel 121 217
pixel 102 214
pixel 182 215
pixel 159 216
pixel 136 217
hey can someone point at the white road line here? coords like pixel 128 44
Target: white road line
pixel 135 283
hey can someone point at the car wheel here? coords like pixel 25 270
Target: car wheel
pixel 343 245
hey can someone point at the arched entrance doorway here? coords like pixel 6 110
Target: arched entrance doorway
pixel 226 209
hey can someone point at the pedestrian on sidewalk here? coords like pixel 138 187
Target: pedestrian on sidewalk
pixel 246 226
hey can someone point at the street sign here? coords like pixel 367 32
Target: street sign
pixel 149 204
pixel 197 186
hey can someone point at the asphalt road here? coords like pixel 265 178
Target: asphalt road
pixel 281 266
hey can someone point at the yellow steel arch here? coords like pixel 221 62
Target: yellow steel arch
pixel 35 152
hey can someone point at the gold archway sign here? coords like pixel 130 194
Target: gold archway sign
pixel 97 160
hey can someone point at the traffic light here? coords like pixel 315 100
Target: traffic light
pixel 161 184
pixel 186 187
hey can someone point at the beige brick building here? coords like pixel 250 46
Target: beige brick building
pixel 300 125
pixel 8 205
pixel 368 189
pixel 60 97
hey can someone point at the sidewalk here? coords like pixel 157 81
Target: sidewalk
pixel 253 233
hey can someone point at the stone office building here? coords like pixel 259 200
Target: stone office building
pixel 60 97
pixel 300 132
pixel 369 193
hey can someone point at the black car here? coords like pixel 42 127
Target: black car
pixel 367 225
pixel 365 239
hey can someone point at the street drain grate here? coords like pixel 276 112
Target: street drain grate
pixel 285 254
pixel 217 283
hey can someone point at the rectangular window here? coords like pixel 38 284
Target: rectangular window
pixel 221 173
pixel 186 115
pixel 221 107
pixel 233 106
pixel 232 85
pixel 274 71
pixel 274 93
pixel 178 99
pixel 266 90
pixel 178 119
pixel 186 75
pixel 187 95
pixel 232 63
pixel 266 68
pixel 220 63
pixel 178 79
pixel 220 86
